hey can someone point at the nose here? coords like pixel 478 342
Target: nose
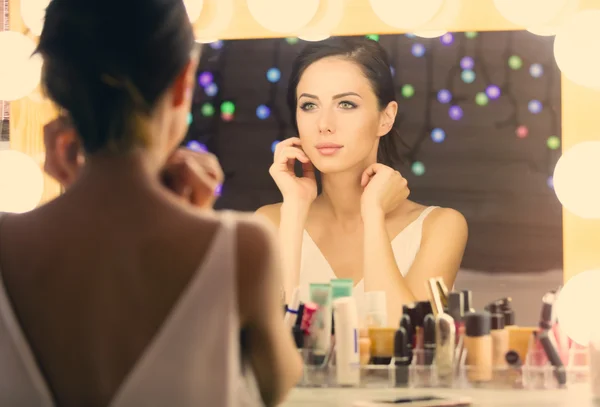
pixel 326 122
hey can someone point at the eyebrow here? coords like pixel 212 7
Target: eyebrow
pixel 338 96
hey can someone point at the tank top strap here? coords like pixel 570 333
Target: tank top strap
pixel 424 214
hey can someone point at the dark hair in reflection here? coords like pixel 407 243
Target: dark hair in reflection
pixel 108 63
pixel 373 60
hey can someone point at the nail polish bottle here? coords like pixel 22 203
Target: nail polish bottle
pixel 406 323
pixel 401 357
pixel 429 339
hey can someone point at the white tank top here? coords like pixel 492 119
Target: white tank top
pixel 314 268
pixel 193 360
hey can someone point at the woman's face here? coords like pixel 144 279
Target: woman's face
pixel 338 115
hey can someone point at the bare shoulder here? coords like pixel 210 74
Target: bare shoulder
pixel 447 221
pixel 271 212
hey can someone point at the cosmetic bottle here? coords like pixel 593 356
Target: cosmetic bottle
pixel 347 358
pixel 456 311
pixel 364 347
pixel 429 339
pixel 468 301
pixel 499 341
pixel 507 311
pixel 382 345
pixel 406 324
pixel 376 309
pixel 401 357
pixel 478 344
pixel 445 339
pixel 546 338
pixel 421 309
pixel 341 287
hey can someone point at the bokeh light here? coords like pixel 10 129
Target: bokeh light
pixel 444 96
pixel 406 14
pixel 408 91
pixel 418 168
pixel 292 40
pixel 274 145
pixel 227 107
pixel 207 110
pixel 580 293
pixel 217 45
pixel 471 34
pixel 282 17
pixel 273 75
pixel 493 92
pixel 522 131
pixel 227 117
pixel 392 71
pixel 21 182
pixel 515 62
pixel 550 182
pixel 196 146
pixel 553 142
pixel 438 135
pixel 534 106
pixel 455 112
pixel 447 39
pixel 467 63
pixel 418 50
pixel 373 37
pixel 211 90
pixel 190 118
pixel 20 72
pixel 263 112
pixel 468 76
pixel 205 79
pixel 536 70
pixel 481 99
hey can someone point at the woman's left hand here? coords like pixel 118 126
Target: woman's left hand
pixel 384 189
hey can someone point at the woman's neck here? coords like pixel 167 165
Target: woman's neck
pixel 342 193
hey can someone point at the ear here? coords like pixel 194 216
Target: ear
pixel 388 116
pixel 183 87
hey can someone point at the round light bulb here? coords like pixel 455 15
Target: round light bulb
pixel 33 13
pixel 576 180
pixel 406 14
pixel 430 33
pixel 577 50
pixel 20 72
pixel 21 182
pixel 574 303
pixel 215 18
pixel 327 19
pixel 283 16
pixel 193 8
pixel 530 13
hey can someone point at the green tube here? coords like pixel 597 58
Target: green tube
pixel 341 287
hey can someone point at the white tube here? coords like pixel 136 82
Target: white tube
pixel 347 357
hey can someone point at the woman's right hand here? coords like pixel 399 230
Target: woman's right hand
pixel 295 189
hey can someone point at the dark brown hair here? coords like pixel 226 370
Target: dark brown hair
pixel 108 62
pixel 370 56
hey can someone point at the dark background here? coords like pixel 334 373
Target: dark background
pixel 499 181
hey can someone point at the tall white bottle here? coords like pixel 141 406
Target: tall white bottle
pixel 347 357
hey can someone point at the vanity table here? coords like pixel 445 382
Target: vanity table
pixel 577 396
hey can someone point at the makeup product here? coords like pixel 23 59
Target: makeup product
pixel 443 289
pixel 513 359
pixel 382 345
pixel 434 297
pixel 518 339
pixel 422 308
pixel 341 287
pixel 507 311
pixel 478 344
pixel 401 357
pixel 548 343
pixel 291 313
pixel 406 323
pixel 468 301
pixel 320 294
pixel 376 309
pixel 445 338
pixel 499 341
pixel 429 339
pixel 364 345
pixel 309 312
pixel 456 311
pixel 347 358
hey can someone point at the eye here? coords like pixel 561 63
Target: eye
pixel 307 106
pixel 347 105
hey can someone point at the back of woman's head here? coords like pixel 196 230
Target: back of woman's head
pixel 108 63
pixel 374 63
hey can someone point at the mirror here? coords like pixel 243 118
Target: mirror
pixel 480 118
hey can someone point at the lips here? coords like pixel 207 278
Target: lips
pixel 328 148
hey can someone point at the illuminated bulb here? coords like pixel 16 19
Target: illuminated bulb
pixel 327 19
pixel 430 34
pixel 283 16
pixel 515 62
pixel 418 50
pixel 273 75
pixel 444 96
pixel 226 117
pixel 530 13
pixel 274 145
pixel 21 182
pixel 190 118
pixel 577 49
pixel 481 99
pixel 193 8
pixel 292 40
pixel 467 63
pixel 550 182
pixel 219 20
pixel 576 180
pixel 535 106
pixel 522 131
pixel 205 79
pixel 33 13
pixel 263 112
pixel 216 45
pixel 447 39
pixel 408 91
pixel 551 28
pixel 211 90
pixel 471 34
pixel 418 168
pixel 227 107
pixel 406 14
pixel 20 72
pixel 468 76
pixel 575 301
pixel 438 135
pixel 455 112
pixel 536 70
pixel 373 37
pixel 197 146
